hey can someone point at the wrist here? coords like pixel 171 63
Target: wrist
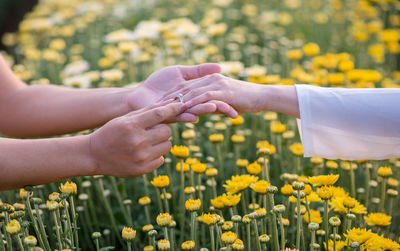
pixel 88 158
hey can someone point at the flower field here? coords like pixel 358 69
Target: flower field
pixel 228 184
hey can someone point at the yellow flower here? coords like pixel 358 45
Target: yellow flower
pixel 270 116
pixel 316 160
pixel 260 186
pixel 191 161
pixel 330 164
pixel 180 151
pixel 237 121
pixel 237 138
pixel 278 128
pixel 216 138
pixel 128 234
pixel 54 196
pixel 287 190
pixel 315 216
pixel 52 205
pixel 311 49
pixel 262 144
pixel 163 245
pixel 164 219
pixel 30 241
pixel 193 205
pixel 261 212
pixel 199 167
pixel 144 201
pixel 377 242
pixel 211 172
pixel 69 188
pixel 239 183
pixel 23 194
pixel 325 192
pixel 218 202
pixel 393 182
pixel 296 149
pixel 294 54
pixel 385 172
pixel 346 65
pixel 228 225
pixel 228 238
pixel 209 219
pixel 13 227
pixel 185 167
pixel 231 200
pixel 323 180
pixel 377 219
pixel 188 245
pixel 160 181
pixel 238 245
pixel 359 235
pixel 242 162
pixel 337 203
pixel 254 168
pixel 339 245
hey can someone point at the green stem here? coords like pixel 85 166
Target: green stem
pixel 312 241
pixel 18 239
pixel 120 201
pixel 334 238
pixel 60 245
pixel 248 233
pixel 367 179
pixel 193 226
pixel 129 245
pixel 97 245
pixel 212 238
pixel 298 228
pixel 69 225
pixel 182 203
pixel 75 220
pixel 165 200
pixel 34 223
pixel 274 224
pixel 41 227
pixel 282 228
pixel 326 226
pixel 219 155
pixel 352 181
pixel 383 193
pixel 258 244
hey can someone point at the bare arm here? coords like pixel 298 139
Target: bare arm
pixel 126 146
pixel 32 111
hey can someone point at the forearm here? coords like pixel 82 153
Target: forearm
pixel 281 98
pixel 32 162
pixel 52 110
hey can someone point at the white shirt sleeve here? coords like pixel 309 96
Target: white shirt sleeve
pixel 349 124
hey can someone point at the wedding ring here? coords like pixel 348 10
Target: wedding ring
pixel 180 96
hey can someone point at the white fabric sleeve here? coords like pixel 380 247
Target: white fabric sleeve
pixel 349 124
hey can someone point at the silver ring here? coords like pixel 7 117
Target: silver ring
pixel 180 96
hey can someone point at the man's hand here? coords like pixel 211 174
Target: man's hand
pixel 133 144
pixel 176 78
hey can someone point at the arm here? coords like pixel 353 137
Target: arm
pixel 349 124
pixel 31 111
pixel 126 146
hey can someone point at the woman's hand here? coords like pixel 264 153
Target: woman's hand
pixel 133 144
pixel 161 82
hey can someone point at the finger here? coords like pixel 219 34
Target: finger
pixel 201 109
pixel 191 85
pixel 160 114
pixel 198 71
pixel 153 165
pixel 161 148
pixel 224 108
pixel 183 117
pixel 159 133
pixel 150 107
pixel 204 97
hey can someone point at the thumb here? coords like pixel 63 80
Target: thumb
pixel 198 71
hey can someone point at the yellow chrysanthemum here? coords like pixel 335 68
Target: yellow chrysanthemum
pixel 242 163
pixel 385 172
pixel 13 227
pixel 160 181
pixel 237 138
pixel 185 167
pixel 377 219
pixel 69 188
pixel 278 128
pixel 237 121
pixel 180 151
pixel 231 200
pixel 323 180
pixel 287 190
pixel 188 245
pixel 239 183
pixel 209 219
pixel 260 186
pixel 315 216
pixel 216 138
pixel 218 202
pixel 359 235
pixel 296 149
pixel 199 167
pixel 337 203
pixel 325 192
pixel 228 238
pixel 339 245
pixel 254 168
pixel 193 205
pixel 164 219
pixel 128 234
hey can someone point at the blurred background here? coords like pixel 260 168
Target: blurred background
pixel 11 14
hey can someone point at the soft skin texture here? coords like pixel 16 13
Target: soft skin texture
pixel 45 110
pixel 243 96
pixel 131 143
pixel 124 147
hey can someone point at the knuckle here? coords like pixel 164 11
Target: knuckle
pixel 158 114
pixel 216 76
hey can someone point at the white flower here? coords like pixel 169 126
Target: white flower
pixel 232 67
pixel 80 81
pixel 75 68
pixel 119 35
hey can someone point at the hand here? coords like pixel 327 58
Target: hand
pixel 158 84
pixel 133 144
pixel 242 96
